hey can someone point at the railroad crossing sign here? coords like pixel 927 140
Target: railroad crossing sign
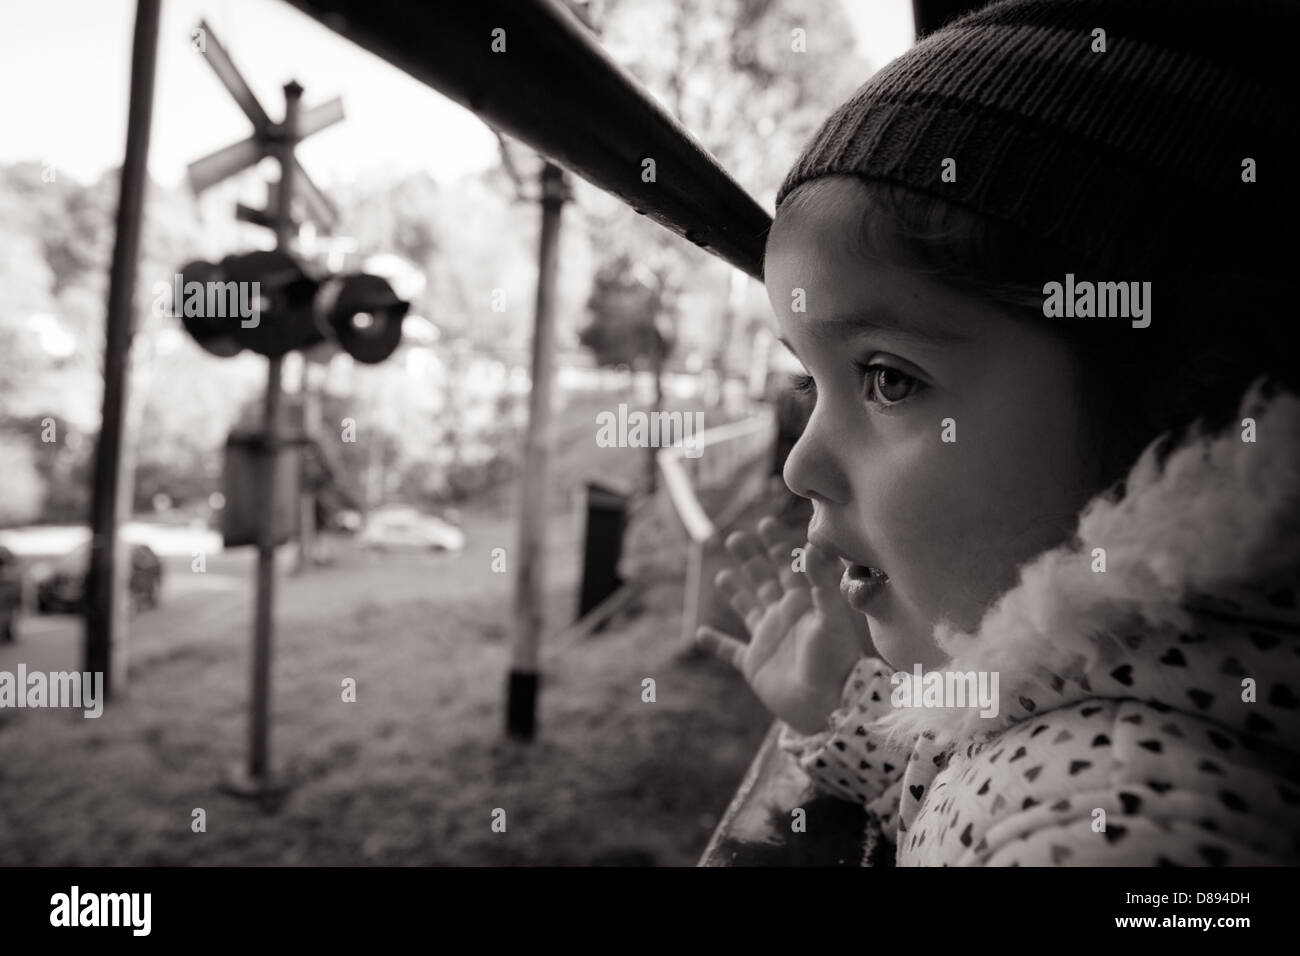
pixel 258 780
pixel 268 139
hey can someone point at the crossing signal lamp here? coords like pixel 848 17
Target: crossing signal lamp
pixel 362 313
pixel 269 303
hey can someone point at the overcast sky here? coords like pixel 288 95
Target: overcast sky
pixel 64 69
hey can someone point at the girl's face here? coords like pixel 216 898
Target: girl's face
pixel 896 364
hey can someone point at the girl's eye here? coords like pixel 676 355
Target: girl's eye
pixel 804 386
pixel 886 385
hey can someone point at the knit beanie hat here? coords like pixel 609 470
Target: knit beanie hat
pixel 1138 134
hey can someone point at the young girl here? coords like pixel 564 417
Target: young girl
pixel 1046 613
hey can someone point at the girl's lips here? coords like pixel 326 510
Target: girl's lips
pixel 861 584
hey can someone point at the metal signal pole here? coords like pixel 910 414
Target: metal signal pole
pixel 259 727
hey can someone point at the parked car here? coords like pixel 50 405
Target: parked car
pixel 11 594
pixel 61 584
pixel 401 526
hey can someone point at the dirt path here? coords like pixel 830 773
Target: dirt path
pixel 412 771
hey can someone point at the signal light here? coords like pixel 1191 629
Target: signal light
pixel 285 292
pixel 267 302
pixel 211 333
pixel 363 313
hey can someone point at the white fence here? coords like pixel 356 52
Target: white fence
pixel 735 456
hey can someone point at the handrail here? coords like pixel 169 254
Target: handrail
pixel 681 491
pixel 555 88
pixel 700 528
pixel 758 829
pixel 678 485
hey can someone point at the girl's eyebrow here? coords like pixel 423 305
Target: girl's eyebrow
pixel 839 326
pixel 843 326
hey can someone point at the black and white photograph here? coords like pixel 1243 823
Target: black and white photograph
pixel 612 435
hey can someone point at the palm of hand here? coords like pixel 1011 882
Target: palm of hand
pixel 804 639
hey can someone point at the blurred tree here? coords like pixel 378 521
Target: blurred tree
pixel 25 281
pixel 629 300
pixel 752 89
pixel 475 246
pixel 24 489
pixel 53 266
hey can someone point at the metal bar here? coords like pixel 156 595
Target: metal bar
pixel 257 217
pixel 259 760
pixel 317 205
pixel 229 160
pixel 555 88
pixel 319 117
pixel 232 80
pixel 259 725
pixel 224 163
pixel 117 346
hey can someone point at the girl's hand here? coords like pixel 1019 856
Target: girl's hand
pixel 804 639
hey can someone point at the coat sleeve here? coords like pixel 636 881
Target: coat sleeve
pixel 1145 842
pixel 848 758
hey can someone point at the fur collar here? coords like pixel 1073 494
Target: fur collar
pixel 1202 562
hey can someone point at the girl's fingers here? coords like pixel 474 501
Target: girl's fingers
pixel 783 559
pixel 779 545
pixel 756 573
pixel 824 569
pixel 779 629
pixel 775 546
pixel 770 591
pixel 827 602
pixel 772 533
pixel 762 574
pixel 824 573
pixel 791 566
pixel 740 598
pixel 795 605
pixel 721 645
pixel 742 547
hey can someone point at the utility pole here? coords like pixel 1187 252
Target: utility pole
pixel 105 578
pixel 521 698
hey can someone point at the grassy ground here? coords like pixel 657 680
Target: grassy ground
pixel 411 772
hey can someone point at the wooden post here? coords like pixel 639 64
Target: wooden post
pixel 103 573
pixel 521 695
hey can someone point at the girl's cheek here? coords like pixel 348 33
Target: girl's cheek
pixel 930 522
pixel 904 513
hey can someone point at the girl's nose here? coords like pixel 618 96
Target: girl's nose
pixel 811 469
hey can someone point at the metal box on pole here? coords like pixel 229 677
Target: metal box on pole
pixel 241 485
